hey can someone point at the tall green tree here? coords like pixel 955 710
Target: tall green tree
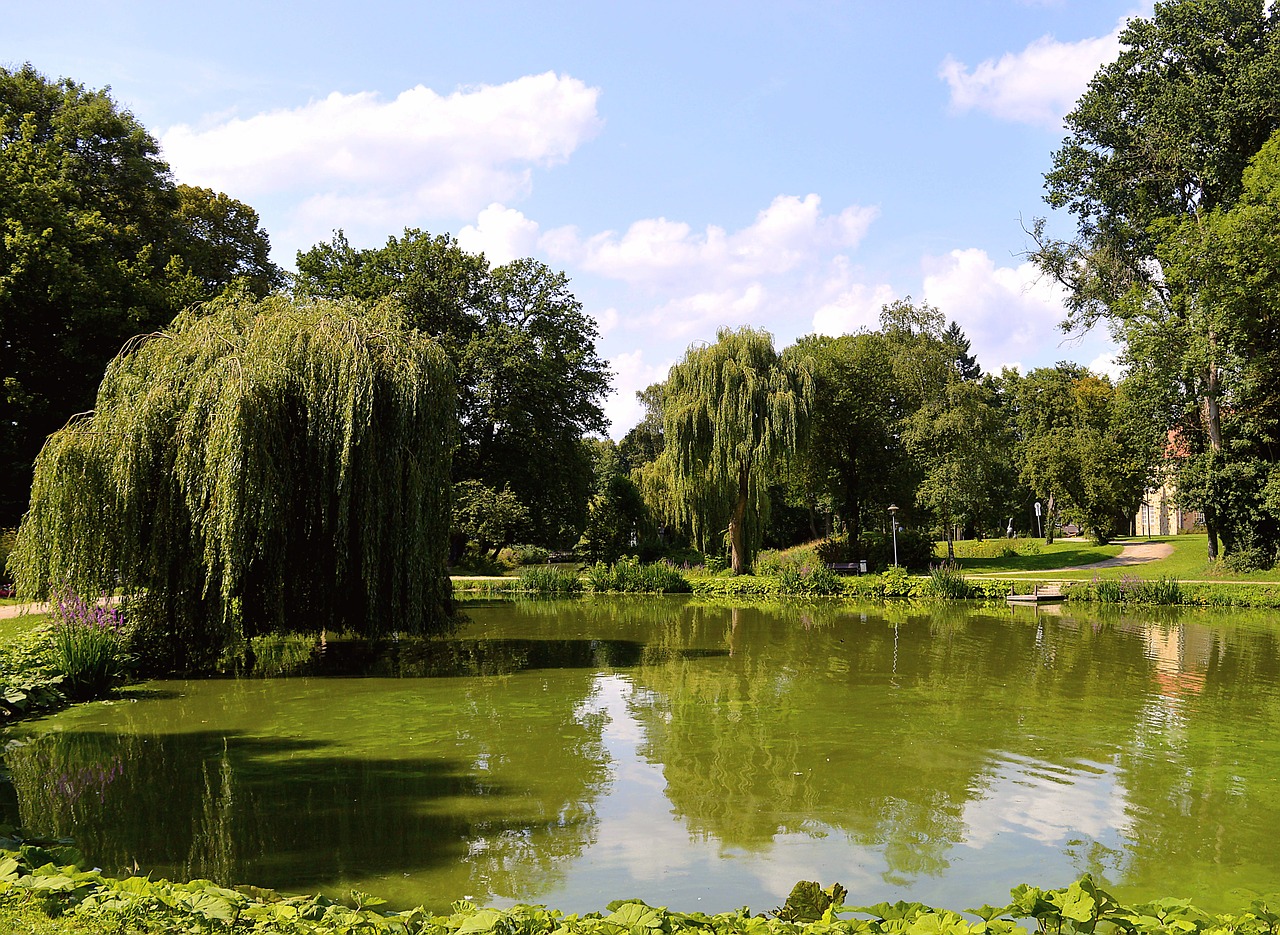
pixel 857 461
pixel 257 466
pixel 94 248
pixel 733 411
pixel 530 384
pixel 1160 138
pixel 1085 447
pixel 960 441
pixel 221 241
pixel 1230 261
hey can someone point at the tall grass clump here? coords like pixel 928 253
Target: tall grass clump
pixel 548 579
pixel 946 580
pixel 629 575
pixel 88 645
pixel 1130 589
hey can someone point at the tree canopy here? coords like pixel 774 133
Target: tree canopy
pixel 256 466
pixel 732 412
pixel 96 244
pixel 530 383
pixel 1156 145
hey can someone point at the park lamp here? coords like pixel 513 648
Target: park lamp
pixel 893 522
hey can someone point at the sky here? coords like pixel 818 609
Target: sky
pixel 790 165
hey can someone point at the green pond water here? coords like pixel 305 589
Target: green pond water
pixel 699 756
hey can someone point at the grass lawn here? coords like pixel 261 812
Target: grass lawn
pixel 1187 563
pixel 1050 558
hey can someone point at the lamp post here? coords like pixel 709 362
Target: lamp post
pixel 893 522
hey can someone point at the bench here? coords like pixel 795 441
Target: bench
pixel 848 568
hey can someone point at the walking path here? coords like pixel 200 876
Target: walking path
pixel 1129 555
pixel 17 610
pixel 1136 554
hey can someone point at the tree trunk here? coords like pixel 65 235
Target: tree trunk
pixel 1213 428
pixel 1047 519
pixel 951 546
pixel 738 558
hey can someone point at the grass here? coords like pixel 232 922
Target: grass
pixel 1050 558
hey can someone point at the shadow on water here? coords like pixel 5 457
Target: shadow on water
pixel 280 813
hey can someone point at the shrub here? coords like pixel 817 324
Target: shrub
pixel 809 579
pixel 549 579
pixel 87 645
pixel 895 582
pixel 475 562
pixel 519 555
pixel 1241 561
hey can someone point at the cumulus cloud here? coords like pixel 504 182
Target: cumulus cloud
pixel 855 308
pixel 631 373
pixel 352 158
pixel 502 234
pixel 1038 85
pixel 658 253
pixel 1006 311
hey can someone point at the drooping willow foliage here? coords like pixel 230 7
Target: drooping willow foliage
pixel 731 412
pixel 260 466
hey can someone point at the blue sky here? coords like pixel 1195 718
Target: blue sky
pixel 790 166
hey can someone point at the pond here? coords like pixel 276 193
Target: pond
pixel 696 755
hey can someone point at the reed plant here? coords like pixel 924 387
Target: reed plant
pixel 629 575
pixel 947 581
pixel 549 579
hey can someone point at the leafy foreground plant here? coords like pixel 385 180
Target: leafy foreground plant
pixel 87 645
pixel 42 890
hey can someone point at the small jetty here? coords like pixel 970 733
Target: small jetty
pixel 1040 594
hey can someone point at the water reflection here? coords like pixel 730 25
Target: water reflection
pixel 679 750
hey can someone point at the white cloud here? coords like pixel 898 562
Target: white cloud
pixel 1106 363
pixel 502 234
pixel 631 373
pixel 855 308
pixel 353 159
pixel 1038 85
pixel 659 254
pixel 1009 313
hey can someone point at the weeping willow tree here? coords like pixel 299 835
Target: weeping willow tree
pixel 260 466
pixel 732 412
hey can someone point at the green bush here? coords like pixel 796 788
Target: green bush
pixel 549 579
pixel 475 562
pixel 809 579
pixel 629 575
pixel 517 556
pixel 734 586
pixel 990 548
